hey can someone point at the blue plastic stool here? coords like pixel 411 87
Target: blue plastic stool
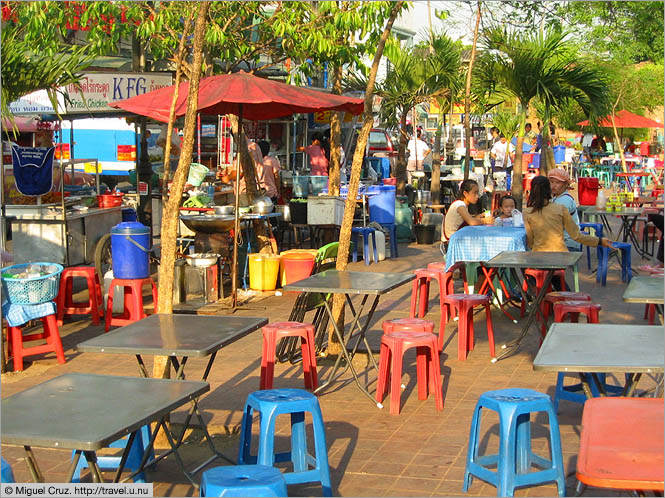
pixel 7 475
pixel 515 457
pixel 243 480
pixel 295 402
pixel 598 232
pixel 603 262
pixel 365 232
pixel 112 462
pixel 392 230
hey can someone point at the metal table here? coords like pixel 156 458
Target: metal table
pixel 176 336
pixel 86 412
pixel 351 283
pixel 646 290
pixel 521 260
pixel 590 349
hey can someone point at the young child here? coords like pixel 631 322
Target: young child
pixel 504 216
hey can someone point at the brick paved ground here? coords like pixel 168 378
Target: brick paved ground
pixel 421 452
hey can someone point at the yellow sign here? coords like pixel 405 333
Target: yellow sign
pixel 325 116
pixel 89 167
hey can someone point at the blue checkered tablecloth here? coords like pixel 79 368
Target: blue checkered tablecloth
pixel 481 243
pixel 18 314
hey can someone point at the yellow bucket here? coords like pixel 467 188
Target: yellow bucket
pixel 263 271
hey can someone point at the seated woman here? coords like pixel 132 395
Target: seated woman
pixel 458 215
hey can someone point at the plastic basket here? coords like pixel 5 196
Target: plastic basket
pixel 197 173
pixel 33 290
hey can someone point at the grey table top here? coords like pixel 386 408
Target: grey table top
pixel 174 335
pixel 534 259
pixel 626 211
pixel 351 282
pixel 87 412
pixel 645 290
pixel 591 347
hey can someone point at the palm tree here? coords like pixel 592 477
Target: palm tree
pixel 542 65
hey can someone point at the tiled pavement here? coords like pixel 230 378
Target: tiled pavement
pixel 421 452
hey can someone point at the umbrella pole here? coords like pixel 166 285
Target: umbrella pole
pixel 236 221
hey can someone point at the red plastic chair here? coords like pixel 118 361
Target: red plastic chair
pixel 133 306
pixel 393 346
pixel 50 333
pixel 464 304
pixel 275 331
pixel 575 308
pixel 64 303
pixel 555 297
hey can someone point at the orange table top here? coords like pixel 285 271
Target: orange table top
pixel 621 444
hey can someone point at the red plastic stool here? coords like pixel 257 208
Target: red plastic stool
pixel 64 303
pixel 555 297
pixel 393 346
pixel 587 308
pixel 408 325
pixel 50 333
pixel 420 290
pixel 540 275
pixel 464 304
pixel 275 331
pixel 133 311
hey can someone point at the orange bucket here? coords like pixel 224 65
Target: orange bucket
pixel 295 266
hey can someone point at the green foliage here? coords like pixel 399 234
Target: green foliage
pixel 506 122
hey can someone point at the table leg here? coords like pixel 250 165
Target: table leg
pixel 95 473
pixel 345 354
pixel 586 387
pixel 179 367
pixel 490 273
pixel 31 461
pixel 631 384
pixel 72 465
pixel 362 330
pixel 125 454
pixel 576 278
pixel 143 371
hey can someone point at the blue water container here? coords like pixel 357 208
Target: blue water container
pixel 559 154
pixel 129 214
pixel 130 248
pixel 318 183
pixel 536 161
pixel 382 204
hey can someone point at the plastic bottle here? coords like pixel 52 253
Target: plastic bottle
pixel 601 200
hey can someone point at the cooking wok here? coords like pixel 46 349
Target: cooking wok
pixel 208 223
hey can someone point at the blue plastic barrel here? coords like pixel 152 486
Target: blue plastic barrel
pixel 559 154
pixel 318 184
pixel 130 247
pixel 536 161
pixel 129 214
pixel 382 204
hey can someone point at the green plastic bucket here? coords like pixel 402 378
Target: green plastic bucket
pixel 197 173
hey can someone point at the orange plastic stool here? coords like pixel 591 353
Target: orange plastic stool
pixel 275 331
pixel 540 275
pixel 464 303
pixel 133 311
pixel 393 346
pixel 64 303
pixel 621 444
pixel 555 297
pixel 574 308
pixel 50 333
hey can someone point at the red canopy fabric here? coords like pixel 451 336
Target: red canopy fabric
pixel 626 119
pixel 260 99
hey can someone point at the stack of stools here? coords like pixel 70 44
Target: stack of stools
pixel 603 262
pixel 365 233
pixel 133 311
pixel 555 297
pixel 66 306
pixel 464 304
pixel 539 276
pixel 562 310
pixel 243 480
pixel 278 330
pixel 294 402
pixel 400 335
pixel 515 459
pixel 50 333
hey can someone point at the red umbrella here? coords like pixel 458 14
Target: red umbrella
pixel 626 119
pixel 259 98
pixel 246 96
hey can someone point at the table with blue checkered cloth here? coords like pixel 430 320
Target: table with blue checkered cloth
pixel 481 243
pixel 18 314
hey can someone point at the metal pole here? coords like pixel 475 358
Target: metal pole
pixel 3 238
pixel 236 221
pixel 62 186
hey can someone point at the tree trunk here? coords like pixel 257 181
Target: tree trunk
pixel 545 163
pixel 334 167
pixel 435 185
pixel 467 98
pixel 349 209
pixel 400 167
pixel 517 187
pixel 170 215
pixel 616 138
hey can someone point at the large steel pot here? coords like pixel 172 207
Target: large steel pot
pixel 208 223
pixel 262 205
pixel 285 209
pixel 202 259
pixel 423 197
pixel 224 209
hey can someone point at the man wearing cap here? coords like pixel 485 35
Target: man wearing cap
pixel 559 181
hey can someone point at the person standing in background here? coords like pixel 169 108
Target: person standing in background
pixel 267 172
pixel 318 162
pixel 418 151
